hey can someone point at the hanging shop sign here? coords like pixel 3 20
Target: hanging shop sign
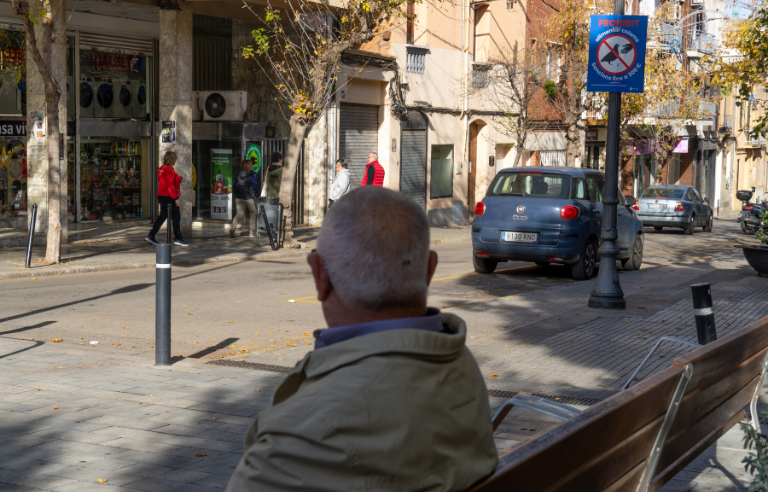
pixel 221 187
pixel 617 53
pixel 168 131
pixel 253 154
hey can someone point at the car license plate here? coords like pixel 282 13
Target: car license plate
pixel 656 205
pixel 522 237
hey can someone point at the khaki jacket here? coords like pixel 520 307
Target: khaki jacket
pixel 400 410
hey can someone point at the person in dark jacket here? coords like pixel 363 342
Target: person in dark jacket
pixel 374 173
pixel 275 174
pixel 245 192
pixel 168 192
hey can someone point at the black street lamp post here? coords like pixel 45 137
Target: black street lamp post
pixel 607 292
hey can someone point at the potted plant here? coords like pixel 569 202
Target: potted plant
pixel 757 254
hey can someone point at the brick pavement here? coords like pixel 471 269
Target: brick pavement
pixel 144 428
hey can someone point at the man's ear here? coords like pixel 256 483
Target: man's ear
pixel 322 281
pixel 431 265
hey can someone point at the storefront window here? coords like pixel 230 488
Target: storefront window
pixel 12 73
pixel 441 179
pixel 114 176
pixel 114 86
pixel 215 165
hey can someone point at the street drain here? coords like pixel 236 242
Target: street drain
pixel 566 400
pixel 251 365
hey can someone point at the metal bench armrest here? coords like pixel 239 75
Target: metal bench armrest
pixel 642 364
pixel 536 403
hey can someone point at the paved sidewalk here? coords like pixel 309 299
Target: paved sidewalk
pixel 108 248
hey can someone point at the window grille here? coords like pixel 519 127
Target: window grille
pixel 415 61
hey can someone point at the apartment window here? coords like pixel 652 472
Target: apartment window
pixel 479 75
pixel 553 65
pixel 415 60
pixel 441 178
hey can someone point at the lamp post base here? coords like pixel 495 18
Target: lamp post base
pixel 607 302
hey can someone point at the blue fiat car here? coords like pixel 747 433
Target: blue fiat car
pixel 550 215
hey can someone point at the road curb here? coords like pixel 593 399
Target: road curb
pixel 58 270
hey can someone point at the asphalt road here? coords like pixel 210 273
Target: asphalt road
pixel 227 310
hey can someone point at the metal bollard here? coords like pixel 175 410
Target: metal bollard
pixel 163 306
pixel 170 216
pixel 705 315
pixel 32 221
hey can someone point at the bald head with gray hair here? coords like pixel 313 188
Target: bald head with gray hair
pixel 374 248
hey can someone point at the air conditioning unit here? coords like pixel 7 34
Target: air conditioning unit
pixel 222 105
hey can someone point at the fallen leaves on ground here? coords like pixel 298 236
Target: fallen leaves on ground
pixel 306 334
pixel 200 455
pixel 257 390
pixel 290 344
pixel 494 375
pixel 55 407
pixel 190 314
pixel 102 480
pixel 229 321
pixel 56 340
pixel 215 418
pixel 115 344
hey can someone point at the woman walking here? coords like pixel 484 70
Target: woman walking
pixel 246 184
pixel 340 185
pixel 168 192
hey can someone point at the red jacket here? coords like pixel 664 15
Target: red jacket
pixel 378 174
pixel 168 182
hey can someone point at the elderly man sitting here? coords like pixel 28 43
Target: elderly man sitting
pixel 390 399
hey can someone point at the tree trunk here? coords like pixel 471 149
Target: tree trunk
pixel 574 127
pixel 299 128
pixel 53 246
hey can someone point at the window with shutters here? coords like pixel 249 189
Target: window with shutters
pixel 415 60
pixel 441 176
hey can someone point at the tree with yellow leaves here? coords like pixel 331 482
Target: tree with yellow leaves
pixel 300 49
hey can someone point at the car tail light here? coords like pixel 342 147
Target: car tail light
pixel 484 255
pixel 555 259
pixel 679 207
pixel 480 208
pixel 569 212
pixel 529 172
pixel 749 208
pixel 635 207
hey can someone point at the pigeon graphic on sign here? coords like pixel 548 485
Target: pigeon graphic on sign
pixel 617 53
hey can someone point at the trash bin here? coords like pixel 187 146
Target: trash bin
pixel 272 208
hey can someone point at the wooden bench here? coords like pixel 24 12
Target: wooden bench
pixel 640 438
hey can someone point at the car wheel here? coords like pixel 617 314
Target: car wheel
pixel 708 225
pixel 484 265
pixel 542 263
pixel 657 228
pixel 585 268
pixel 688 229
pixel 636 256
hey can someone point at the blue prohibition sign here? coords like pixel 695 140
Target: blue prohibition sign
pixel 617 53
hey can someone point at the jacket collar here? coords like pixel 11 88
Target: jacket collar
pixel 446 345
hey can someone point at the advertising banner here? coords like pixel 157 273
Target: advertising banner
pixel 221 187
pixel 253 154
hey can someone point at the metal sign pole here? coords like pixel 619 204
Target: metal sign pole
pixel 607 292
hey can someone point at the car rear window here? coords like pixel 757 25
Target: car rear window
pixel 669 193
pixel 531 185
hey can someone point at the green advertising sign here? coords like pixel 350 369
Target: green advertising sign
pixel 253 154
pixel 221 185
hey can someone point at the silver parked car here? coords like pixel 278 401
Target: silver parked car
pixel 674 206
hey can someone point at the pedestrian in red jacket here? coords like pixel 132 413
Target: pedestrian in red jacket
pixel 374 173
pixel 168 192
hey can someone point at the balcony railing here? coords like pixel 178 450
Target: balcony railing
pixel 702 42
pixel 756 142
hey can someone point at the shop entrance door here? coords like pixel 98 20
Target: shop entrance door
pixel 413 173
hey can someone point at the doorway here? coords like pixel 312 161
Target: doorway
pixel 473 130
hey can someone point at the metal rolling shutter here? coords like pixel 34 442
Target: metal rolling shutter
pixel 115 44
pixel 358 136
pixel 413 172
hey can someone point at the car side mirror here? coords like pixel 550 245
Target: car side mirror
pixel 629 200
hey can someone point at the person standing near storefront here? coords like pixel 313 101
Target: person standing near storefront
pixel 340 185
pixel 168 192
pixel 374 173
pixel 246 184
pixel 275 174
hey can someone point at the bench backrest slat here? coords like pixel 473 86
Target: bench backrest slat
pixel 596 450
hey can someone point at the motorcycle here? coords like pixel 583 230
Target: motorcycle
pixel 749 218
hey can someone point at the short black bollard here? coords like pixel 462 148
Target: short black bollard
pixel 163 306
pixel 168 225
pixel 705 315
pixel 32 221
